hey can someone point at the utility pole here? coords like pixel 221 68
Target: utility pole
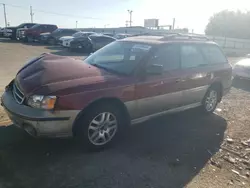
pixel 31 14
pixel 5 17
pixel 173 23
pixel 126 23
pixel 130 17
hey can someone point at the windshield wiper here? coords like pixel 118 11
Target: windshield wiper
pixel 106 69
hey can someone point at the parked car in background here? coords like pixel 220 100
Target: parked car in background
pixel 108 34
pixel 122 35
pixel 91 43
pixel 65 41
pixel 126 82
pixel 11 32
pixel 34 32
pixel 1 32
pixel 53 38
pixel 242 69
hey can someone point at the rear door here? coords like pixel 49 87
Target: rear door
pixel 43 29
pixel 158 93
pixel 218 64
pixel 196 74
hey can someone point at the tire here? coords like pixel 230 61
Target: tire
pixel 211 99
pixel 103 121
pixel 51 41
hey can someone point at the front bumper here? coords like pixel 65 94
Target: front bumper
pixel 38 122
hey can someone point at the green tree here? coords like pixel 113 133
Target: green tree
pixel 229 24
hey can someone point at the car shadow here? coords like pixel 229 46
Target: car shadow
pixel 33 44
pixel 163 152
pixel 241 84
pixel 7 40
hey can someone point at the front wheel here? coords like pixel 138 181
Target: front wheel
pixel 51 41
pixel 100 127
pixel 211 100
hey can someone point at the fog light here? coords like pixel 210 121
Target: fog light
pixel 30 130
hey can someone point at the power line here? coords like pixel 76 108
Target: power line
pixel 55 13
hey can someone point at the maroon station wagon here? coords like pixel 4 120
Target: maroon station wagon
pixel 124 83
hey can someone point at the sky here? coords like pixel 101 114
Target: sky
pixel 191 14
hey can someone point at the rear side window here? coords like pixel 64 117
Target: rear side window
pixel 52 27
pixel 213 54
pixel 191 56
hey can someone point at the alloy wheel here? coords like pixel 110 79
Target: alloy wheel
pixel 211 100
pixel 102 128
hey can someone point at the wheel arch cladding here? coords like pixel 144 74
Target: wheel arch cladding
pixel 107 101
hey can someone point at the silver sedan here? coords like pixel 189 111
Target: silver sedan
pixel 242 69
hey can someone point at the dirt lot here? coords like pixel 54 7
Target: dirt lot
pixel 180 150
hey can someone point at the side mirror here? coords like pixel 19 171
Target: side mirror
pixel 154 69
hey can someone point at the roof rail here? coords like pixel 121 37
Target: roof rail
pixel 184 36
pixel 174 35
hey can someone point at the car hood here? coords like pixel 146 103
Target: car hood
pixel 66 38
pixel 58 75
pixel 244 62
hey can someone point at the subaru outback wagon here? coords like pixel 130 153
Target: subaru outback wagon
pixel 124 83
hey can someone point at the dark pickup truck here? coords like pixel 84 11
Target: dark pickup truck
pixel 11 32
pixel 34 32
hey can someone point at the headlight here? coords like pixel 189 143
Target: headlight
pixel 43 102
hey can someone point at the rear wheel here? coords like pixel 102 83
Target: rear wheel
pixel 100 127
pixel 211 99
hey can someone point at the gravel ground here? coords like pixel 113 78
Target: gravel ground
pixel 180 150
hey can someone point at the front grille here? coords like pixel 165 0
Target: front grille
pixel 18 94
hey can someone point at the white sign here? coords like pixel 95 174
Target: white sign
pixel 151 22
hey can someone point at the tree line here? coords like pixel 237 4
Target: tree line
pixel 229 24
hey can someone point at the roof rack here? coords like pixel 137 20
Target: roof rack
pixel 184 36
pixel 176 36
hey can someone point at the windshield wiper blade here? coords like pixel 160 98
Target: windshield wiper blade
pixel 106 69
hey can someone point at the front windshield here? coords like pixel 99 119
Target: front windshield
pixel 35 26
pixel 21 25
pixel 56 31
pixel 78 34
pixel 119 56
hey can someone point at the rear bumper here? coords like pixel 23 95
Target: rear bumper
pixel 39 122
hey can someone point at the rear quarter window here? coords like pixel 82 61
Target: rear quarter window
pixel 213 54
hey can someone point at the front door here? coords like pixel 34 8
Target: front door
pixel 158 93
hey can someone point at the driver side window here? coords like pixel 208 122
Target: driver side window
pixel 167 56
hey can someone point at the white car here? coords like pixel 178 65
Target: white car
pixel 242 69
pixel 65 41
